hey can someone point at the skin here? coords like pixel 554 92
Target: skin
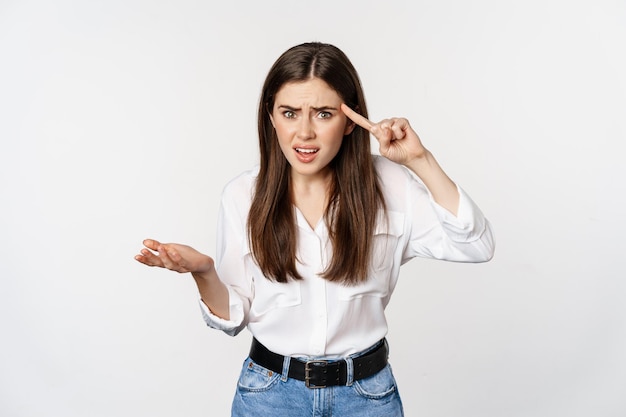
pixel 399 143
pixel 310 127
pixel 310 115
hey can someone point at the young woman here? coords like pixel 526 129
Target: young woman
pixel 310 243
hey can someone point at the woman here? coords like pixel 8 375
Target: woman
pixel 310 243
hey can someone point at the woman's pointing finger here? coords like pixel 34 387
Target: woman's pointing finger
pixel 356 117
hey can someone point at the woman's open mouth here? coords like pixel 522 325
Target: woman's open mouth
pixel 306 154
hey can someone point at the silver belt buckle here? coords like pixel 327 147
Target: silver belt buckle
pixel 307 370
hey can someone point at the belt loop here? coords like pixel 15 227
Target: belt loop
pixel 349 371
pixel 286 363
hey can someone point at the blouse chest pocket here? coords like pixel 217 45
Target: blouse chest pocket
pixel 386 238
pixel 270 295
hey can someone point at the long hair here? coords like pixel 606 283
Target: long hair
pixel 354 194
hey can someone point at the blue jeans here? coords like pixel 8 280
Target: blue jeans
pixel 264 393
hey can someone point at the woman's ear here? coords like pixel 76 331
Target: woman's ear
pixel 350 125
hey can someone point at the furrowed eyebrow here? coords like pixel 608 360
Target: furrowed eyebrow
pixel 283 106
pixel 323 108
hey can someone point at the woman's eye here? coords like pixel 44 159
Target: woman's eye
pixel 289 114
pixel 324 115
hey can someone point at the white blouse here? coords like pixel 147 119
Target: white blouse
pixel 314 317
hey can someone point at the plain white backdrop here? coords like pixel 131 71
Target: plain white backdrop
pixel 123 119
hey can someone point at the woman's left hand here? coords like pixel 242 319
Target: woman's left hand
pixel 397 140
pixel 400 144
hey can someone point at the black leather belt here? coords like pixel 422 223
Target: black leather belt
pixel 322 373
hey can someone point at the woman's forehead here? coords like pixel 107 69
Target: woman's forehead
pixel 313 91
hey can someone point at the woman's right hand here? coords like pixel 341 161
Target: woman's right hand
pixel 175 257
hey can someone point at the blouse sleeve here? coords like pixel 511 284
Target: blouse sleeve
pixel 231 258
pixel 434 232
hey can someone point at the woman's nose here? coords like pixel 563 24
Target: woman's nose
pixel 305 129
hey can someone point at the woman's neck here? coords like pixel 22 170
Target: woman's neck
pixel 310 196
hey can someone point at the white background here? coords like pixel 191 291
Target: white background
pixel 123 119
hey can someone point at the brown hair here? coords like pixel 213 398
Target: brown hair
pixel 354 194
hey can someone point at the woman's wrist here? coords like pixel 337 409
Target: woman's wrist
pixel 422 164
pixel 441 187
pixel 206 271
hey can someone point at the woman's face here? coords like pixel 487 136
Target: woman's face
pixel 310 126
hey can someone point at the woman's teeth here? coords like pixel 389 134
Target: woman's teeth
pixel 301 150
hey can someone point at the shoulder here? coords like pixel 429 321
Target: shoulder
pixel 239 189
pixel 399 185
pixel 389 172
